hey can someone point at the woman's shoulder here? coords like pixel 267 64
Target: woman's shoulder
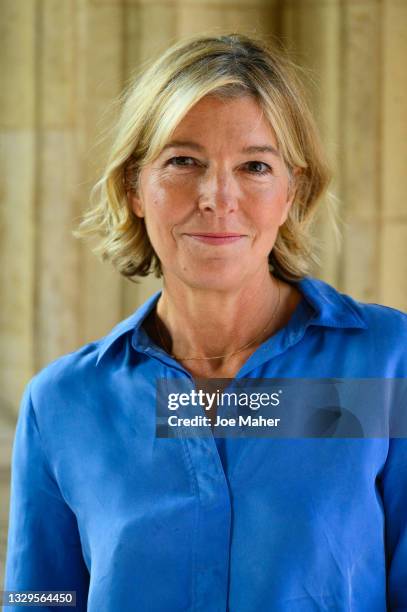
pixel 380 317
pixel 376 330
pixel 80 367
pixel 88 356
pixel 69 369
pixel 380 314
pixel 385 333
pixel 371 315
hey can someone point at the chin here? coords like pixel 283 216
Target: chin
pixel 216 275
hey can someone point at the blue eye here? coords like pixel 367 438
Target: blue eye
pixel 174 161
pixel 184 161
pixel 266 167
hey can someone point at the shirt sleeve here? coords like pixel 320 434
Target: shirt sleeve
pixel 394 491
pixel 44 551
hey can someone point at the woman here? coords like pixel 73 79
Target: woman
pixel 212 182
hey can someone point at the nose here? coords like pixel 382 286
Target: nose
pixel 218 192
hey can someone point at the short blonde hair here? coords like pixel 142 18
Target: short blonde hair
pixel 226 65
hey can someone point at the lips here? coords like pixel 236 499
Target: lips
pixel 216 238
pixel 215 234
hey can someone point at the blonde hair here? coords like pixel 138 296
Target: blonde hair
pixel 226 65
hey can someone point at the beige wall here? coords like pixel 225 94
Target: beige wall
pixel 63 63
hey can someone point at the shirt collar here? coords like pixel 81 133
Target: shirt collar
pixel 132 323
pixel 327 307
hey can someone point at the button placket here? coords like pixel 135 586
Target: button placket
pixel 211 541
pixel 213 527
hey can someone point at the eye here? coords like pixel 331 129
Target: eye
pixel 257 167
pixel 181 161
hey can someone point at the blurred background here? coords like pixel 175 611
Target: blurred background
pixel 64 62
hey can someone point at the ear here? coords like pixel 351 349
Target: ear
pixel 135 203
pixel 132 187
pixel 285 212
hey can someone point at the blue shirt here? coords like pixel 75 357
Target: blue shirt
pixel 131 521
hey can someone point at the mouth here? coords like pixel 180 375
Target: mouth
pixel 217 238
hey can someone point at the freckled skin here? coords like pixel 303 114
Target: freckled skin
pixel 216 189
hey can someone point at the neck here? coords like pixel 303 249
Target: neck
pixel 206 323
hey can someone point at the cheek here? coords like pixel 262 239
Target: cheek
pixel 164 210
pixel 172 183
pixel 156 207
pixel 266 216
pixel 168 194
pixel 271 206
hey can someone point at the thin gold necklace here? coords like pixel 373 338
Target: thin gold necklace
pixel 226 354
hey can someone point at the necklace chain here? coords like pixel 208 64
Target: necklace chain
pixel 226 354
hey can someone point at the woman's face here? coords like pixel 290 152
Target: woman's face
pixel 215 197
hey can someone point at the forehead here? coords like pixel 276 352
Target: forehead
pixel 233 121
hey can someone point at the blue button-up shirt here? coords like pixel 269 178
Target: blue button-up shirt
pixel 131 521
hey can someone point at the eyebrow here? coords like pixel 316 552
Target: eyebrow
pixel 194 145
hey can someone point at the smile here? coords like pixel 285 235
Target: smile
pixel 216 239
